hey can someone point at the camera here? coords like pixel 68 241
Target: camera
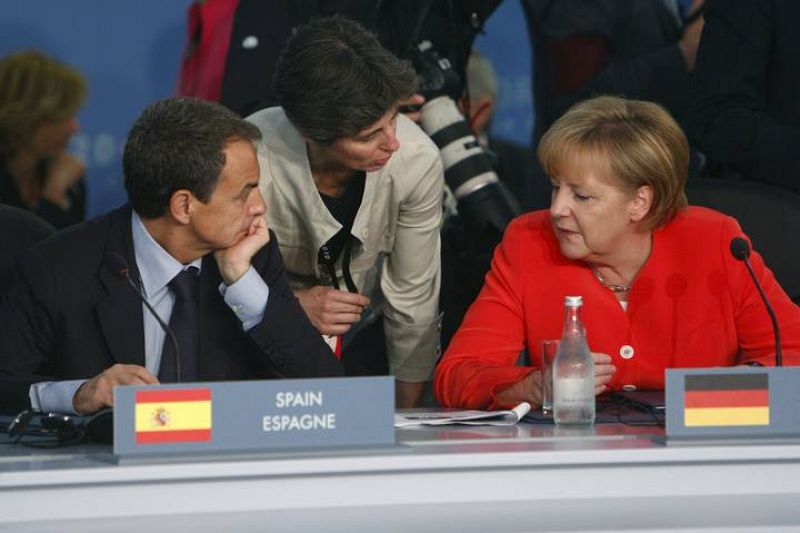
pixel 483 201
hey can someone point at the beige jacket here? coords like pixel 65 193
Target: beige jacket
pixel 396 257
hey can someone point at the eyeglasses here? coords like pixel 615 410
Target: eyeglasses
pixel 40 430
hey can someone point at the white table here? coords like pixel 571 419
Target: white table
pixel 454 479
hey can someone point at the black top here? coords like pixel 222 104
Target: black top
pixel 344 209
pixel 745 105
pixel 57 217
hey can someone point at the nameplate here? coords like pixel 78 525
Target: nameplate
pixel 733 403
pixel 247 416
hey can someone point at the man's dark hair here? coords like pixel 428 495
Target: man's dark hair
pixel 335 79
pixel 178 143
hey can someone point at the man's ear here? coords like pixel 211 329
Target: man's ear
pixel 181 206
pixel 482 111
pixel 642 202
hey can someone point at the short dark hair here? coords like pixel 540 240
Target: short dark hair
pixel 178 143
pixel 334 79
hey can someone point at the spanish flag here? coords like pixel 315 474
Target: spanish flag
pixel 166 416
pixel 726 400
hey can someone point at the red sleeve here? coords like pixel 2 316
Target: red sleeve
pixel 482 355
pixel 753 325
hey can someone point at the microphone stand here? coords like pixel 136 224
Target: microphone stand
pixel 118 266
pixel 740 249
pixel 164 326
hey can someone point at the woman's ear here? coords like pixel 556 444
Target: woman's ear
pixel 180 206
pixel 642 202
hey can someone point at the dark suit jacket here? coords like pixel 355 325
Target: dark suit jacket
pixel 21 229
pixel 642 58
pixel 745 103
pixel 519 170
pixel 69 317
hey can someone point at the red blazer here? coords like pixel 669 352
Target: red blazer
pixel 691 305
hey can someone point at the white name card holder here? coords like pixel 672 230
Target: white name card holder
pixel 721 403
pixel 253 416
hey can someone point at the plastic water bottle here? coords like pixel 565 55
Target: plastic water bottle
pixel 573 370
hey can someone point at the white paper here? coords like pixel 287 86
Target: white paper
pixel 439 417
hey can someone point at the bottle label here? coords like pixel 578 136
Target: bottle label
pixel 571 391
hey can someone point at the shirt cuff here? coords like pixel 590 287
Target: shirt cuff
pixel 247 298
pixel 54 396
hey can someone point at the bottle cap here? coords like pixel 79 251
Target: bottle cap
pixel 573 301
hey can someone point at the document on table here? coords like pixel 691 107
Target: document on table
pixel 433 417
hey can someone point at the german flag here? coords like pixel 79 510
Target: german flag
pixel 726 400
pixel 169 416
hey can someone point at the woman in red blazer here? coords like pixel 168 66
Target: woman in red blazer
pixel 659 284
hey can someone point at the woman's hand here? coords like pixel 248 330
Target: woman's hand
pixel 528 389
pixel 603 372
pixel 63 172
pixel 331 311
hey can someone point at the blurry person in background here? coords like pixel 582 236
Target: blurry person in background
pixel 745 106
pixel 643 49
pixel 513 162
pixel 39 101
pixel 465 258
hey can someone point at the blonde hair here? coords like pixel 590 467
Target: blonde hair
pixel 35 89
pixel 641 142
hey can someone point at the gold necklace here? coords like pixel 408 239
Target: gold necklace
pixel 610 286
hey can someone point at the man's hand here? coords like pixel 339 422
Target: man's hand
pixel 330 310
pixel 63 172
pixel 98 392
pixel 412 107
pixel 234 261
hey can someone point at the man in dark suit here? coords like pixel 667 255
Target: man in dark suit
pixel 745 103
pixel 642 49
pixel 73 328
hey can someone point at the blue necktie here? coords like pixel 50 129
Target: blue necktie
pixel 184 322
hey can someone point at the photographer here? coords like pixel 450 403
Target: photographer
pixel 356 194
pixel 233 48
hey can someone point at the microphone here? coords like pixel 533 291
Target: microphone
pixel 118 266
pixel 740 250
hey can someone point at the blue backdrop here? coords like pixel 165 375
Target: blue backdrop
pixel 130 53
pixel 506 44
